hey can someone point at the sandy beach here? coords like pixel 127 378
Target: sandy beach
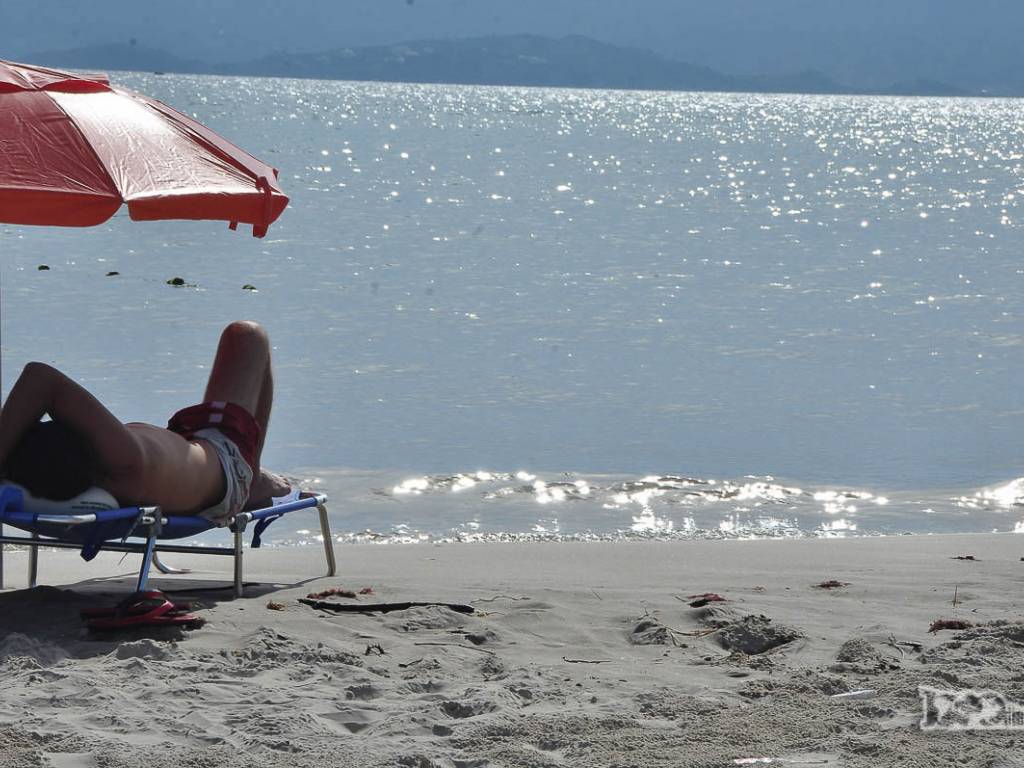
pixel 582 654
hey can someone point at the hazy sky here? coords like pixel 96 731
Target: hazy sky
pixel 855 41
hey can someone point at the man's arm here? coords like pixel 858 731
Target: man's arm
pixel 42 389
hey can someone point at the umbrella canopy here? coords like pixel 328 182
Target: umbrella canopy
pixel 74 148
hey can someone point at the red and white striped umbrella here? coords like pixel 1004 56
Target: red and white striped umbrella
pixel 74 148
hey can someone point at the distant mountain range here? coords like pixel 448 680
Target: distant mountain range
pixel 526 60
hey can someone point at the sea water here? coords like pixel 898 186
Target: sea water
pixel 532 313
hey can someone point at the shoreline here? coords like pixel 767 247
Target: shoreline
pixel 522 506
pixel 578 654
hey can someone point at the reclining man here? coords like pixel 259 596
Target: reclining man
pixel 207 460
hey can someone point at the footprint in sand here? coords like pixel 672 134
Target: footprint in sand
pixel 464 709
pixel 362 692
pixel 353 720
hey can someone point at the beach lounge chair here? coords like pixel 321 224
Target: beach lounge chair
pixel 92 527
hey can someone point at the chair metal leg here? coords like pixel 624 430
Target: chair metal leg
pixel 161 566
pixel 325 532
pixel 152 528
pixel 147 559
pixel 33 561
pixel 239 533
pixel 1 557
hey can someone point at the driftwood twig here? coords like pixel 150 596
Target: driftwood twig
pixel 898 645
pixel 380 607
pixel 949 624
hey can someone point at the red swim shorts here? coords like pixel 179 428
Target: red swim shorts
pixel 232 421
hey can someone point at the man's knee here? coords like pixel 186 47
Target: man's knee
pixel 246 332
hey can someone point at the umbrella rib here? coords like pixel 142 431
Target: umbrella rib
pixel 182 123
pixel 159 107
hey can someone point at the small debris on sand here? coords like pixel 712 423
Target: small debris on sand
pixel 863 693
pixel 964 557
pixel 949 624
pixel 332 592
pixel 699 601
pixel 273 606
pixel 832 584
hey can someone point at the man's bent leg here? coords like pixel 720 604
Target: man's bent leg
pixel 263 405
pixel 240 367
pixel 265 485
pixel 242 375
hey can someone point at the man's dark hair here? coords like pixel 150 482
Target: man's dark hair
pixel 52 461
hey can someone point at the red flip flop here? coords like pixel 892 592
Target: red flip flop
pixel 141 609
pixel 134 604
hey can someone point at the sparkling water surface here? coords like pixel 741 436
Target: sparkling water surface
pixel 505 312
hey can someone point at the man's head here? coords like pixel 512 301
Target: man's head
pixel 52 462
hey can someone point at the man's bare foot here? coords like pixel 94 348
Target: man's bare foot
pixel 265 487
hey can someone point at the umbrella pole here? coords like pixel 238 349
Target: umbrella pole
pixel 1 333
